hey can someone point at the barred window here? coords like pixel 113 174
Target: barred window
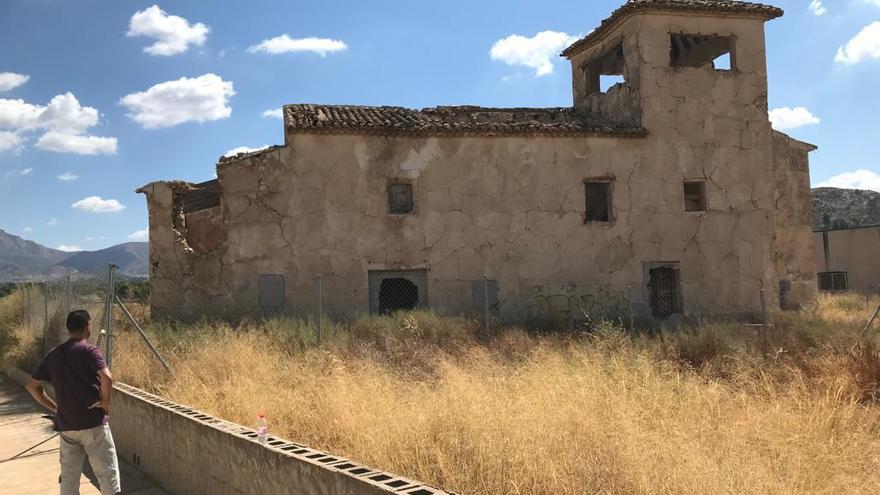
pixel 400 198
pixel 833 281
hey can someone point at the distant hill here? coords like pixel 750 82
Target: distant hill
pixel 21 259
pixel 132 258
pixel 835 208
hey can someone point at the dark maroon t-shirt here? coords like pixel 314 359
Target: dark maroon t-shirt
pixel 72 368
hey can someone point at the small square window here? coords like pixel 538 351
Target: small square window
pixel 833 282
pixel 400 198
pixel 695 196
pixel 598 201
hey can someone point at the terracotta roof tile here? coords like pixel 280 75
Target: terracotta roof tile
pixel 458 120
pixel 734 7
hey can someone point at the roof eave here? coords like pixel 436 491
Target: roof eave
pixel 616 19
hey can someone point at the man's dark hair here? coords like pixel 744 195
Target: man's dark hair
pixel 78 320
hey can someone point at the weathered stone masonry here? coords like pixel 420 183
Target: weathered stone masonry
pixel 502 192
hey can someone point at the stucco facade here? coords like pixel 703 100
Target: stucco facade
pixel 849 258
pixel 503 195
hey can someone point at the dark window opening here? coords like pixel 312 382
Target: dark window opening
pixel 605 71
pixel 833 281
pixel 664 296
pixel 400 198
pixel 598 201
pixel 695 50
pixel 397 294
pixel 695 196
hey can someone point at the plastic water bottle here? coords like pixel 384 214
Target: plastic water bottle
pixel 262 428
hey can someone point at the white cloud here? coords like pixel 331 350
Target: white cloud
pixel 18 172
pixel 65 121
pixel 817 8
pixel 52 222
pixel 173 34
pixel 534 52
pixel 68 249
pixel 859 179
pixel 18 114
pixel 863 46
pixel 67 177
pixel 785 118
pixel 139 235
pixel 80 145
pixel 167 104
pixel 273 114
pixel 11 80
pixel 27 230
pixel 95 204
pixel 286 44
pixel 9 140
pixel 244 149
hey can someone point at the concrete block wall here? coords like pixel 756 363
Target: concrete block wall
pixel 188 452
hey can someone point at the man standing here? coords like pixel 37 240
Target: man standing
pixel 82 387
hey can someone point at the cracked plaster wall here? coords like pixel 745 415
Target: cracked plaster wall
pixel 511 206
pixel 793 236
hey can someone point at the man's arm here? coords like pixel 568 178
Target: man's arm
pixel 35 388
pixel 106 388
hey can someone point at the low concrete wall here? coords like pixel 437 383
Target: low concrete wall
pixel 189 452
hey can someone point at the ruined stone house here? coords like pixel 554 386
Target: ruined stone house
pixel 667 192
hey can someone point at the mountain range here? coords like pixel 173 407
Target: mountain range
pixel 21 259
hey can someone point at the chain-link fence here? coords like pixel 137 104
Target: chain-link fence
pixel 46 304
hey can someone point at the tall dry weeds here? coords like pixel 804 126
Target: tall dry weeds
pixel 725 409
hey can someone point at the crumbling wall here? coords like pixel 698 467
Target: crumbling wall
pixel 793 222
pixel 621 102
pixel 180 274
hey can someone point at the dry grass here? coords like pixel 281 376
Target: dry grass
pixel 726 409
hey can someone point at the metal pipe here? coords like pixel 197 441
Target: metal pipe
pixel 320 304
pixel 143 335
pixel 486 301
pixel 111 291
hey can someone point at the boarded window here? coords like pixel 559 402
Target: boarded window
pixel 598 201
pixel 400 198
pixel 694 196
pixel 270 292
pixel 833 281
pixel 664 294
pixel 696 50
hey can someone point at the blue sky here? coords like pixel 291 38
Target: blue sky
pixel 112 95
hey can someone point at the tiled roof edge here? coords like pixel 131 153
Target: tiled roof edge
pixel 630 8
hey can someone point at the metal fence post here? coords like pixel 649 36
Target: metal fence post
pixel 28 298
pixel 46 316
pixel 320 304
pixel 763 309
pixel 486 301
pixel 629 300
pixel 111 291
pixel 68 297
